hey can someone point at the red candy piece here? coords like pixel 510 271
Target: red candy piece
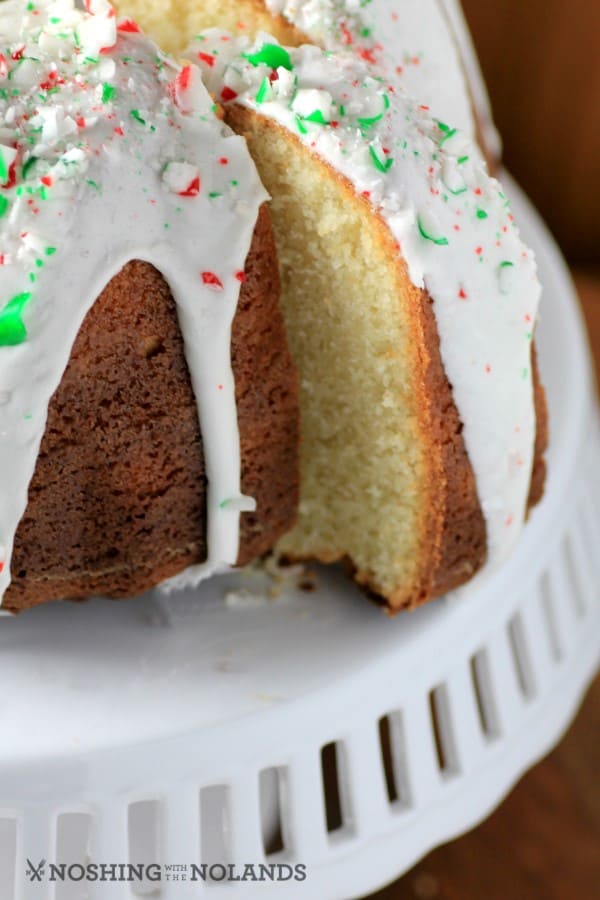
pixel 367 55
pixel 128 26
pixel 346 34
pixel 213 281
pixel 227 94
pixel 192 190
pixel 12 176
pixel 184 78
pixel 207 58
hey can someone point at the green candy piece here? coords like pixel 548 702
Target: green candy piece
pixel 300 126
pixel 439 241
pixel 270 55
pixel 447 132
pixel 263 91
pixel 367 122
pixel 12 328
pixel 108 92
pixel 28 165
pixel 316 116
pixel 383 165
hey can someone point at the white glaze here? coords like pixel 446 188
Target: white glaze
pixel 422 46
pixel 475 81
pixel 110 198
pixel 481 277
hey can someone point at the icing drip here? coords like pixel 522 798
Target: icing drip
pixel 110 152
pixel 475 80
pixel 453 226
pixel 420 46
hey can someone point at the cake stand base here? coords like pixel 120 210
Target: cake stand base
pixel 170 731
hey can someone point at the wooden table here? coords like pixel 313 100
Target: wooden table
pixel 543 843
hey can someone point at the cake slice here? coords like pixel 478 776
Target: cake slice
pixel 410 304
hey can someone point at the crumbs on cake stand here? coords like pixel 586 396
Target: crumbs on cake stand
pixel 268 580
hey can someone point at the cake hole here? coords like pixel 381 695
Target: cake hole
pixel 8 856
pixel 552 631
pixel 72 848
pixel 576 580
pixel 153 346
pixel 144 843
pixel 443 732
pixel 385 742
pixel 484 694
pixel 590 528
pixel 269 786
pixel 214 826
pixel 395 763
pixel 330 770
pixel 588 548
pixel 521 658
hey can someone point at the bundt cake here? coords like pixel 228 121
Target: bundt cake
pixel 422 46
pixel 149 402
pixel 410 304
pixel 137 271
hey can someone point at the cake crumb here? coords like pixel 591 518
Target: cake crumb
pixel 308 581
pixel 246 599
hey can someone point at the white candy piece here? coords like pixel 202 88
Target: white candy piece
pixel 180 177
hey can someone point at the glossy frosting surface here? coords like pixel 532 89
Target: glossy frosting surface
pixel 111 152
pixel 422 46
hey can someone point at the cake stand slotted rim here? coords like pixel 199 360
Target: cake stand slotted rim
pixel 201 701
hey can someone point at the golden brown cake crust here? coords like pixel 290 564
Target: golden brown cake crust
pixel 117 500
pixel 538 475
pixel 454 541
pixel 460 524
pixel 452 545
pixel 457 534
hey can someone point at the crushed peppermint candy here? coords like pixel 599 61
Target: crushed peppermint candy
pixel 72 95
pixel 182 179
pixel 212 281
pixel 111 152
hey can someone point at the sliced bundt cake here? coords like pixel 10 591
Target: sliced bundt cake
pixel 410 304
pixel 148 400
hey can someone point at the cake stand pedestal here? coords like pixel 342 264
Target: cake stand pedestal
pixel 167 731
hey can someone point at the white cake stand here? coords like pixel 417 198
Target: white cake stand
pixel 174 730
